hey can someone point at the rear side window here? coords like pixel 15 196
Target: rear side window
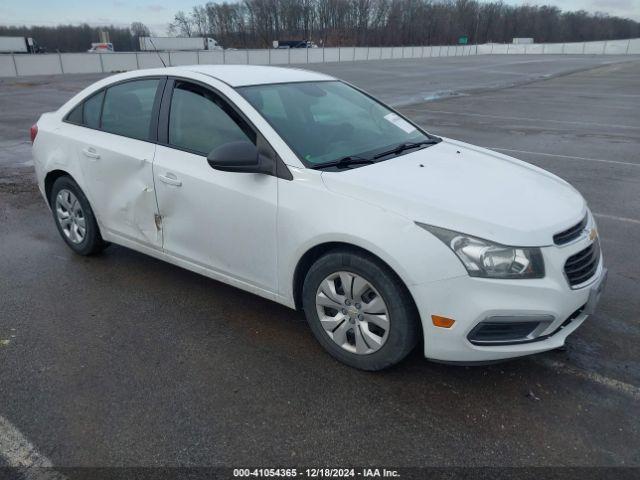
pixel 128 107
pixel 200 121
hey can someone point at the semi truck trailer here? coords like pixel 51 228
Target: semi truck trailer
pixel 178 43
pixel 18 45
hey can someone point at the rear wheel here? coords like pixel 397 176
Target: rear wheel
pixel 74 218
pixel 359 310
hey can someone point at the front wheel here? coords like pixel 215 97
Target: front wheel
pixel 359 310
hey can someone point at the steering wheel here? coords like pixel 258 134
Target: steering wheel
pixel 339 132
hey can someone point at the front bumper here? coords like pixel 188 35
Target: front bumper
pixel 471 301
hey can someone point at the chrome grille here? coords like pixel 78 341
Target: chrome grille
pixel 583 265
pixel 571 233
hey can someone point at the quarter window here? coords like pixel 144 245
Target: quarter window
pixel 128 107
pixel 91 111
pixel 75 116
pixel 87 113
pixel 200 121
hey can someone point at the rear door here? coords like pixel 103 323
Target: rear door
pixel 117 152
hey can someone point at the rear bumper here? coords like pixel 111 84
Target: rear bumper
pixel 471 301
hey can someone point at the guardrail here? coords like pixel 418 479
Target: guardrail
pixel 61 63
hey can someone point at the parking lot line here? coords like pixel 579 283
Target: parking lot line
pixel 572 157
pixel 551 102
pixel 571 91
pixel 20 453
pixel 622 387
pixel 527 119
pixel 620 219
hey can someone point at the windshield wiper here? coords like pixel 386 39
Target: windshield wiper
pixel 345 162
pixel 407 146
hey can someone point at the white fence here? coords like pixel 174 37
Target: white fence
pixel 59 63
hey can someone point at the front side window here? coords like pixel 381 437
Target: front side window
pixel 325 121
pixel 128 108
pixel 199 121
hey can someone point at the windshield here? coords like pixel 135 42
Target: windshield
pixel 326 121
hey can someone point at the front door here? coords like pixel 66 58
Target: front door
pixel 222 221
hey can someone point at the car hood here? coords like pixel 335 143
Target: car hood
pixel 468 189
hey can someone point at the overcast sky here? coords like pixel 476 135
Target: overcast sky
pixel 157 13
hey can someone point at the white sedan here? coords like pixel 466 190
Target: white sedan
pixel 300 188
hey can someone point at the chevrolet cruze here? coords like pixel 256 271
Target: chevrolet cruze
pixel 305 190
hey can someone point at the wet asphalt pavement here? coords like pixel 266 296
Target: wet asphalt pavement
pixel 123 360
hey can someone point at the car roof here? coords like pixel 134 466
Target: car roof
pixel 232 75
pixel 243 75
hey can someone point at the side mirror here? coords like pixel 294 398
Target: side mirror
pixel 239 157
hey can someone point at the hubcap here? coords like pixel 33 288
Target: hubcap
pixel 352 312
pixel 70 216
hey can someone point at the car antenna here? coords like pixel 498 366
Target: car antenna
pixel 157 53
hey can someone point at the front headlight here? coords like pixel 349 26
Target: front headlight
pixel 483 258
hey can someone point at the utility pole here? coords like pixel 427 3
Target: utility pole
pixel 475 37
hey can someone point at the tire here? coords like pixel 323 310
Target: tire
pixel 380 344
pixel 78 228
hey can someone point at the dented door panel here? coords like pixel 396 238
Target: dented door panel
pixel 222 221
pixel 119 173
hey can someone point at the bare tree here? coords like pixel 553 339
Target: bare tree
pixel 256 23
pixel 182 25
pixel 200 21
pixel 138 30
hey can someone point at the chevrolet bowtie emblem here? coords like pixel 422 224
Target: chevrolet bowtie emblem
pixel 593 234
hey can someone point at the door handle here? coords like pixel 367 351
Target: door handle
pixel 91 153
pixel 170 179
